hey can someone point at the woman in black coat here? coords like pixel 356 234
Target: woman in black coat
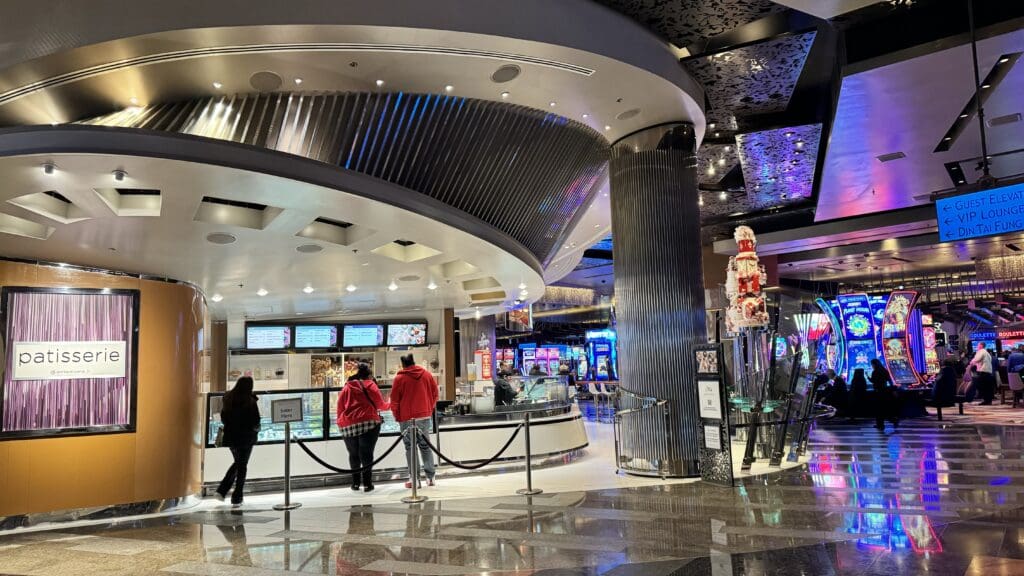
pixel 858 394
pixel 886 401
pixel 240 415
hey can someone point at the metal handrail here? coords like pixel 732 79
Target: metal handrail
pixel 648 404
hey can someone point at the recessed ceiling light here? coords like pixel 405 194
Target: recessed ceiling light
pixel 717 134
pixel 700 201
pixel 789 134
pixel 299 313
pixel 351 287
pixel 49 169
pixel 948 138
pixel 963 115
pixel 721 161
pixel 586 115
pixel 723 196
pixel 711 170
pixel 308 289
pixel 217 85
pixel 597 225
pixel 522 285
pixel 986 86
pixel 379 83
pixel 728 148
pixel 261 292
pixel 712 125
pixel 799 143
pixel 298 80
pixel 552 103
pixel 392 286
pixel 133 100
pixel 607 128
pixel 432 285
pixel 959 181
pixel 1004 59
pixel 216 297
pixel 477 314
pixel 366 263
pixel 504 95
pixel 119 175
pixel 449 88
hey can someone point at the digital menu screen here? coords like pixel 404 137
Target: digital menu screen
pixel 362 335
pixel 407 334
pixel 268 337
pixel 316 336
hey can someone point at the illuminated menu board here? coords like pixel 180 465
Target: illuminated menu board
pixel 362 335
pixel 268 337
pixel 316 336
pixel 407 334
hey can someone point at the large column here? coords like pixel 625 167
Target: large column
pixel 659 288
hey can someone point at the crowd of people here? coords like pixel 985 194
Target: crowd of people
pixel 961 377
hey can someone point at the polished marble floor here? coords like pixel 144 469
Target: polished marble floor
pixel 929 498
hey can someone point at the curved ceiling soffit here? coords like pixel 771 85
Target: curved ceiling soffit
pixel 82 139
pixel 528 173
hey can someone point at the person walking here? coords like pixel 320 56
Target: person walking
pixel 240 415
pixel 359 405
pixel 1015 373
pixel 886 401
pixel 413 401
pixel 982 376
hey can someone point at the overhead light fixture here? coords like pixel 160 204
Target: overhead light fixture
pixel 606 128
pixel 392 286
pixel 216 297
pixel 261 292
pixel 986 86
pixel 432 285
pixel 119 175
pixel 522 285
pixel 366 263
pixel 597 225
pixel 298 80
pixel 351 287
pixel 477 314
pixel 504 95
pixel 49 168
pixel 379 83
pixel 721 161
pixel 712 125
pixel 728 148
pixel 717 134
pixel 449 88
pixel 711 170
pixel 552 103
pixel 217 85
pixel 799 143
pixel 308 289
pixel 1004 59
pixel 586 115
pixel 948 138
pixel 723 196
pixel 789 134
pixel 963 115
pixel 133 100
pixel 700 200
pixel 523 293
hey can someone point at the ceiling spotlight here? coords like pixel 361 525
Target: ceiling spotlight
pixel 523 293
pixel 1004 59
pixel 504 95
pixel 773 178
pixel 799 143
pixel 597 225
pixel 217 85
pixel 728 148
pixel 449 88
pixel 351 287
pixel 216 297
pixel 700 200
pixel 586 116
pixel 366 263
pixel 119 175
pixel 721 161
pixel 522 285
pixel 262 292
pixel 717 134
pixel 133 100
pixel 477 314
pixel 379 83
pixel 308 289
pixel 986 86
pixel 948 138
pixel 963 115
pixel 606 128
pixel 789 134
pixel 723 196
pixel 432 285
pixel 49 168
pixel 959 181
pixel 712 125
pixel 298 81
pixel 711 170
pixel 552 103
pixel 392 286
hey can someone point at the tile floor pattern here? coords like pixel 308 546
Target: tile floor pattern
pixel 931 498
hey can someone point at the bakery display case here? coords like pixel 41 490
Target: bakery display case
pixel 311 427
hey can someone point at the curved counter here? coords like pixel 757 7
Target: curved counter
pixel 469 439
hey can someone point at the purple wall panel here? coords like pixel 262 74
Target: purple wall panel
pixel 72 403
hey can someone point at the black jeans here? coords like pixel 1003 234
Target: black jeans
pixel 360 454
pixel 236 473
pixel 887 407
pixel 986 384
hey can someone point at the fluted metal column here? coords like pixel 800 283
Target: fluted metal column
pixel 659 286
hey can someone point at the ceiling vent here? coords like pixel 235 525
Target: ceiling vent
pixel 506 73
pixel 24 228
pixel 334 231
pixel 221 211
pixel 457 268
pixel 131 201
pixel 265 81
pixel 1003 120
pixel 405 251
pixel 52 205
pixel 309 248
pixel 220 238
pixel 891 156
pixel 631 113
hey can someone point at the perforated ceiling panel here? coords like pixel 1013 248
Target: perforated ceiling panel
pixel 684 22
pixel 526 172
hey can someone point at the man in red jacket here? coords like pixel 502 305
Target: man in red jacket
pixel 413 400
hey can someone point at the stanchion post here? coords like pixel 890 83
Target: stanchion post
pixel 529 490
pixel 414 467
pixel 288 505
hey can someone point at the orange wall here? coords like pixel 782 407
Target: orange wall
pixel 162 458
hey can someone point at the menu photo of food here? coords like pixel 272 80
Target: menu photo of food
pixel 407 334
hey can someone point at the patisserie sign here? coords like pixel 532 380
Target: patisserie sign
pixel 69 360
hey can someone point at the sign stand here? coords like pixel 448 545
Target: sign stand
pixel 713 415
pixel 529 490
pixel 286 411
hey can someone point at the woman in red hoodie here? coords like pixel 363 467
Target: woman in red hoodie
pixel 359 422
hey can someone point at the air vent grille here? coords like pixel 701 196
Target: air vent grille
pixel 891 156
pixel 1004 120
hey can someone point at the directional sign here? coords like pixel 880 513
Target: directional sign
pixel 978 214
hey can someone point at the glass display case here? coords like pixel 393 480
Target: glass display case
pixel 536 394
pixel 319 409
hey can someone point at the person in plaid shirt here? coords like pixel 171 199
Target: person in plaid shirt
pixel 359 421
